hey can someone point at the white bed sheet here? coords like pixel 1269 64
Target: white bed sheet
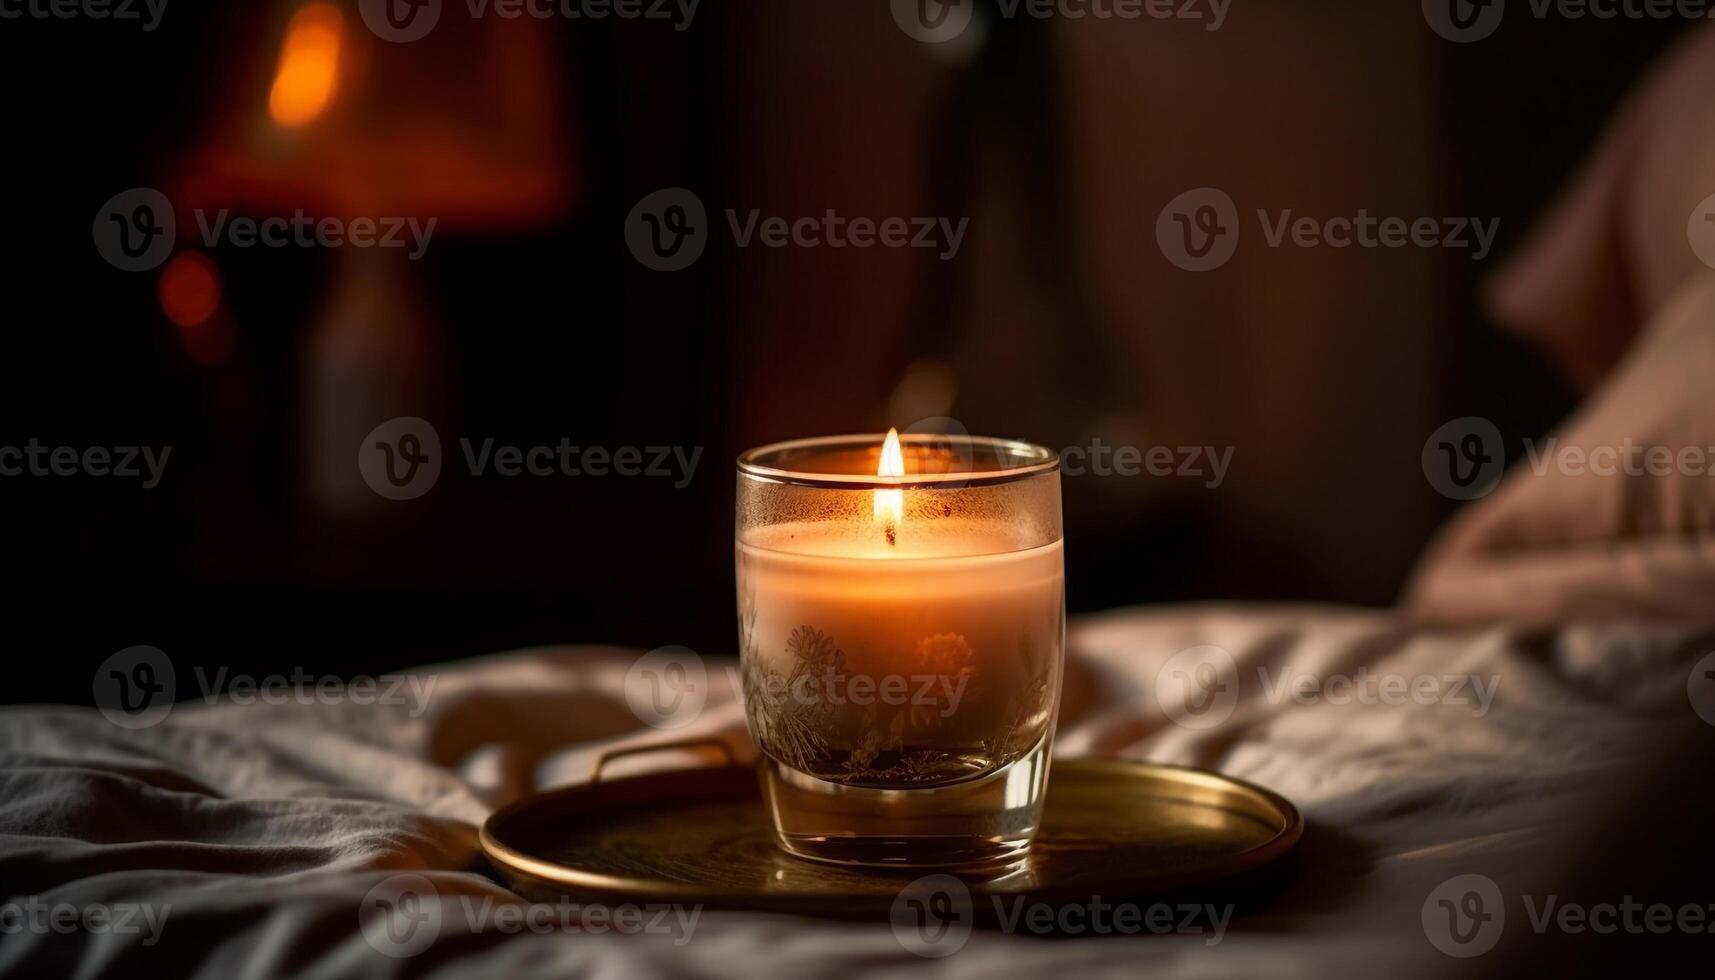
pixel 260 828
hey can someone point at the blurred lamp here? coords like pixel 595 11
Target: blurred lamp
pixel 464 127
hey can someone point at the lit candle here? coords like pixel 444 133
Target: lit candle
pixel 901 632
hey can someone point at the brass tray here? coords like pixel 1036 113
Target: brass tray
pixel 701 836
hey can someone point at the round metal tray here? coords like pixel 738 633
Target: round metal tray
pixel 1111 828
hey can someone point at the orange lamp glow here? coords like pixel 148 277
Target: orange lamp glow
pixel 308 74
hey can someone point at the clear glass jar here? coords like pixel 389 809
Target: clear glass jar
pixel 902 639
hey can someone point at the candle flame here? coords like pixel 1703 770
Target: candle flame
pixel 890 504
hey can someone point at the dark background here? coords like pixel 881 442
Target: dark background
pixel 1325 369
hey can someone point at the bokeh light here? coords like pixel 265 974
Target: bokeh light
pixel 189 289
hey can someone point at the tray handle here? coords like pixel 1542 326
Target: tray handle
pixel 707 742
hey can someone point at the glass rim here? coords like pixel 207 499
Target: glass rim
pixel 1035 460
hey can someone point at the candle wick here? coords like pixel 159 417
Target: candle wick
pixel 892 536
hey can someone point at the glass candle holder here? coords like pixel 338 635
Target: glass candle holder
pixel 901 629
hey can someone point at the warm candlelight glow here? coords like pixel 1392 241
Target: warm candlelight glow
pixel 960 616
pixel 890 504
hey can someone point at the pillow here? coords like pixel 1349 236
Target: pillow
pixel 1613 515
pixel 1615 248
